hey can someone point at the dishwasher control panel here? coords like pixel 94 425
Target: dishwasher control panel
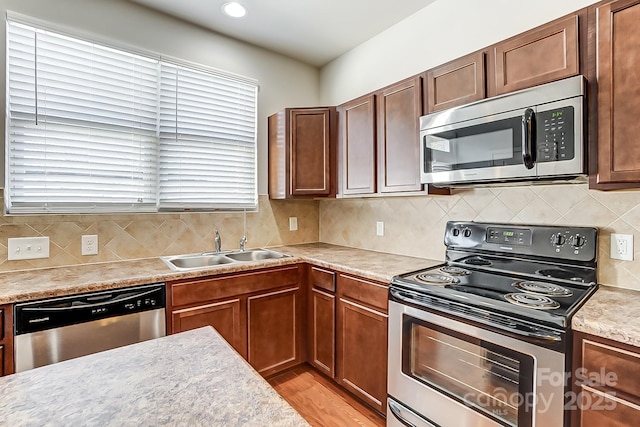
pixel 57 312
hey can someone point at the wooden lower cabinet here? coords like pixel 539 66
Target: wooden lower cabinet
pixel 275 330
pixel 362 343
pixel 605 383
pixel 6 340
pixel 225 316
pixel 322 331
pixel 259 313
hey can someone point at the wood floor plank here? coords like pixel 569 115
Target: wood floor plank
pixel 321 402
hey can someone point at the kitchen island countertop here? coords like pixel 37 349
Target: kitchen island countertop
pixel 189 379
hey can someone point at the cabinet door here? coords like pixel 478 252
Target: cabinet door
pixel 542 55
pixel 322 339
pixel 357 141
pixel 224 316
pixel 456 83
pixel 399 109
pixel 618 55
pixel 311 148
pixel 275 330
pixel 362 352
pixel 6 340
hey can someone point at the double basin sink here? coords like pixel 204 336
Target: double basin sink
pixel 207 260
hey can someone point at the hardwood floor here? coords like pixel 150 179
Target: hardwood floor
pixel 321 402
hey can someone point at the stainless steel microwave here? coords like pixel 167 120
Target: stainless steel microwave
pixel 535 134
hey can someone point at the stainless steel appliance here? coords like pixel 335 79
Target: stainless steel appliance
pixel 484 338
pixel 532 134
pixel 57 329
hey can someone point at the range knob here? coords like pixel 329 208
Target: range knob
pixel 558 239
pixel 455 232
pixel 466 232
pixel 578 241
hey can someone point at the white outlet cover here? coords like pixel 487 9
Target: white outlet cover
pixel 293 223
pixel 379 228
pixel 621 247
pixel 90 244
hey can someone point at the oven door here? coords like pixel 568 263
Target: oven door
pixel 451 373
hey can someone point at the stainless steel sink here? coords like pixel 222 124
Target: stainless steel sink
pixel 197 261
pixel 208 260
pixel 254 255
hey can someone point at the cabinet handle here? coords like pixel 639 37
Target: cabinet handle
pixel 528 138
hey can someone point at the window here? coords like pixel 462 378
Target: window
pixel 96 129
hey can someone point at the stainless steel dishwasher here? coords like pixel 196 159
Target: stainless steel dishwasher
pixel 52 330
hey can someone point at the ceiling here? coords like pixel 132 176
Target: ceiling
pixel 312 31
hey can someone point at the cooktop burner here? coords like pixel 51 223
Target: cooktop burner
pixel 437 279
pixel 477 260
pixel 559 273
pixel 454 271
pixel 542 288
pixel 539 302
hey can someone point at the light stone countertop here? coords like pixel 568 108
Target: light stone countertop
pixel 611 313
pixel 25 285
pixel 193 378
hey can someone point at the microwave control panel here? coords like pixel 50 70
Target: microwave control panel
pixel 555 135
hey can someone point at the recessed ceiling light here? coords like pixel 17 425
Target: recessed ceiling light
pixel 234 9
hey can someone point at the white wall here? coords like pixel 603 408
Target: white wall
pixel 442 31
pixel 283 81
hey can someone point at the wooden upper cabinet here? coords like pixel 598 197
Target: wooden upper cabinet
pixel 618 56
pixel 302 153
pixel 399 108
pixel 357 145
pixel 455 83
pixel 547 53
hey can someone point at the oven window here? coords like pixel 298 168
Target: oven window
pixel 486 145
pixel 486 377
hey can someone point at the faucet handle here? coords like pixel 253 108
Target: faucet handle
pixel 218 242
pixel 243 241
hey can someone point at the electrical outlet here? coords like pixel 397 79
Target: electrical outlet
pixel 90 244
pixel 379 228
pixel 622 246
pixel 293 223
pixel 27 248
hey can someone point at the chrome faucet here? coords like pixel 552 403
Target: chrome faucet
pixel 243 240
pixel 218 241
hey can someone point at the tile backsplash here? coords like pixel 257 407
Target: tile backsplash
pixel 130 236
pixel 415 225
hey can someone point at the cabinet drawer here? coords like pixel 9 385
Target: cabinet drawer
pixel 600 409
pixel 198 291
pixel 323 279
pixel 611 367
pixel 363 291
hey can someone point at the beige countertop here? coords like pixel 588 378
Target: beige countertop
pixel 611 313
pixel 193 378
pixel 25 285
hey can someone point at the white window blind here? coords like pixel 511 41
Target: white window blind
pixel 82 125
pixel 207 140
pixel 96 129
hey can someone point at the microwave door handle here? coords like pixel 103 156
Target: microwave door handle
pixel 528 138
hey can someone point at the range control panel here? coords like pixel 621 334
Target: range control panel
pixel 558 242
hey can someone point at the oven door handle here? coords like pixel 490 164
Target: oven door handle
pixel 401 414
pixel 550 338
